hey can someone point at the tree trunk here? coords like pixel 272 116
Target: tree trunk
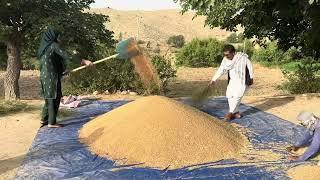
pixel 11 82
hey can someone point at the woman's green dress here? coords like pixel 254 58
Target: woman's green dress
pixel 53 62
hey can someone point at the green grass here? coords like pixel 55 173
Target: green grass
pixel 12 107
pixel 291 66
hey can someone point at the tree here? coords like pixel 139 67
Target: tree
pixel 291 22
pixel 200 53
pixel 22 23
pixel 235 38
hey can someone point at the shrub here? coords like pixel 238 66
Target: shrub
pixel 31 64
pixel 291 66
pixel 270 55
pixel 304 79
pixel 247 48
pixel 292 55
pixel 235 38
pixel 112 75
pixel 200 53
pixel 164 69
pixel 176 41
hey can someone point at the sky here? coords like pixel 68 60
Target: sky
pixel 136 4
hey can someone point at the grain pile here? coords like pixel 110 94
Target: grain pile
pixel 305 173
pixel 147 72
pixel 160 132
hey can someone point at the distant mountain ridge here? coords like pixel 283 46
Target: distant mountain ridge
pixel 158 26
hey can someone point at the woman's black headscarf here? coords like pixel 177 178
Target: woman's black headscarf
pixel 47 39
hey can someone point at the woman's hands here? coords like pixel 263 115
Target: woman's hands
pixel 86 62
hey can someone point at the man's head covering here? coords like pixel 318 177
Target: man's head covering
pixel 50 36
pixel 308 119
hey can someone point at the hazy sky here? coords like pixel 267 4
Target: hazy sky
pixel 136 4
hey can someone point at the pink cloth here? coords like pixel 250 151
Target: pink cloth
pixel 72 101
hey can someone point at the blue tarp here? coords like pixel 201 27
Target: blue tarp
pixel 58 154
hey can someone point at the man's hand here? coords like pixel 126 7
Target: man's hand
pixel 292 148
pixel 86 62
pixel 293 158
pixel 211 83
pixel 251 81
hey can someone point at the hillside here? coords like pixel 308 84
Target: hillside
pixel 158 26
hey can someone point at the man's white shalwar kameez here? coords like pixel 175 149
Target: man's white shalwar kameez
pixel 237 85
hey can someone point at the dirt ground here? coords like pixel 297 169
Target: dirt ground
pixel 18 131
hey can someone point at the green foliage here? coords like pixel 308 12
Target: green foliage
pixel 115 75
pixel 292 23
pixel 176 41
pixel 112 75
pixel 164 69
pixel 247 47
pixel 235 38
pixel 200 53
pixel 81 30
pixel 11 107
pixel 291 66
pixel 304 79
pixel 292 54
pixel 30 64
pixel 22 24
pixel 269 55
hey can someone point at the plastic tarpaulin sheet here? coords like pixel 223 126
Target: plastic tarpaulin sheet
pixel 58 154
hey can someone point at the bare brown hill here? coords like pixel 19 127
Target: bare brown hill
pixel 158 26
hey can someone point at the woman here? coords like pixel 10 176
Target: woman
pixel 311 138
pixel 53 63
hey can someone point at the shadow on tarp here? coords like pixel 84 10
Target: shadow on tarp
pixel 58 154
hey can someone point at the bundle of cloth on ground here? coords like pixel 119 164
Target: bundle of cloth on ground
pixel 74 101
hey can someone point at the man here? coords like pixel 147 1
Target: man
pixel 240 77
pixel 312 138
